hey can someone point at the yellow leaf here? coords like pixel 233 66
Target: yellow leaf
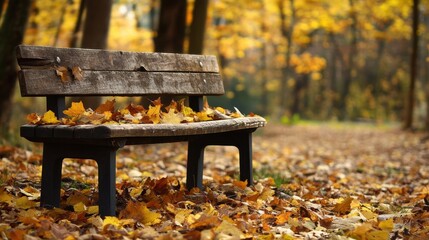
pixel 5 197
pixel 228 230
pixel 24 203
pixel 386 224
pixel 75 110
pixel 181 216
pixel 202 116
pixel 154 113
pixel 92 210
pixel 377 235
pixel 79 207
pixel 50 118
pixel 171 117
pixel 141 213
pixel 112 221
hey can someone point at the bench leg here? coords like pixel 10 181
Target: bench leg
pixel 106 162
pixel 51 177
pixel 53 155
pixel 240 139
pixel 244 146
pixel 194 172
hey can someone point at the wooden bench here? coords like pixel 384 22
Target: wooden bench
pixel 118 73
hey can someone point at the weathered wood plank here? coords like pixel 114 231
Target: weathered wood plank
pixel 143 130
pixel 96 59
pixel 119 83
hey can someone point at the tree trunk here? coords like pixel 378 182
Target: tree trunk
pixel 409 108
pixel 170 36
pixel 12 34
pixel 171 26
pixel 95 33
pixel 348 74
pixel 78 24
pixel 287 33
pixel 198 27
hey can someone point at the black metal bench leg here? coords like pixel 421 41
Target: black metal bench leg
pixel 245 149
pixel 194 172
pixel 51 176
pixel 106 161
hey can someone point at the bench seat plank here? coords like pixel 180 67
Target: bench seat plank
pixel 140 130
pixel 119 83
pixel 96 59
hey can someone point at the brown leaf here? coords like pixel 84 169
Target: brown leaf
pixel 108 106
pixel 343 207
pixel 77 73
pixel 63 73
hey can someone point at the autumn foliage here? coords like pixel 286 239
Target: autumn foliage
pixel 312 182
pixel 175 113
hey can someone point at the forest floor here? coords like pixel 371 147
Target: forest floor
pixel 312 182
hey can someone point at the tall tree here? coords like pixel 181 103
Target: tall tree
pixel 171 26
pixel 78 24
pixel 198 27
pixel 96 28
pixel 95 33
pixel 286 33
pixel 11 34
pixel 409 108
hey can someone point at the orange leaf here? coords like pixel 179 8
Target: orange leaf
pixel 283 218
pixel 108 106
pixel 33 118
pixel 75 110
pixel 240 184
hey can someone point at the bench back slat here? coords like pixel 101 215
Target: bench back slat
pixel 120 83
pixel 97 59
pixel 115 73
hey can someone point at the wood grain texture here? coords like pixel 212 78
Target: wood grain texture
pixel 95 59
pixel 140 130
pixel 119 83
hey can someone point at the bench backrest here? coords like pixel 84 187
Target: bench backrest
pixel 48 71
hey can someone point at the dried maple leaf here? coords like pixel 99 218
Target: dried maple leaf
pixel 108 106
pixel 343 207
pixel 77 73
pixel 63 73
pixel 171 117
pixel 33 118
pixel 138 211
pixel 154 112
pixel 49 118
pixel 75 110
pixel 135 108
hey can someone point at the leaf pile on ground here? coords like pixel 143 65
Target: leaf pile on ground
pixel 106 113
pixel 312 182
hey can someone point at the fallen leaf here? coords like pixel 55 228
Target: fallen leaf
pixel 77 73
pixel 49 118
pixel 75 110
pixel 63 73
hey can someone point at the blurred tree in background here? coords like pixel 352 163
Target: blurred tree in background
pixel 320 60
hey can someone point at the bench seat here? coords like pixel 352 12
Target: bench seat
pixel 105 131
